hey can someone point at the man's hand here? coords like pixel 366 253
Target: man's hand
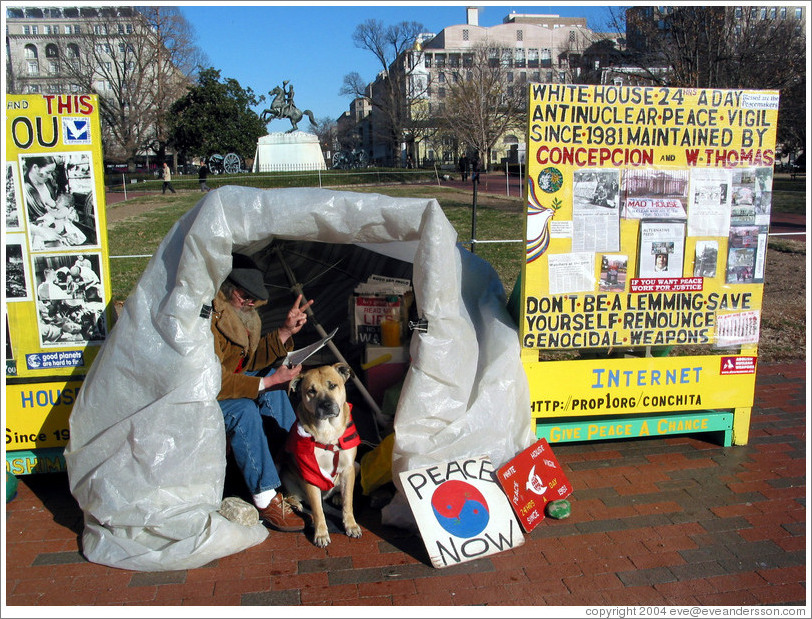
pixel 283 375
pixel 295 320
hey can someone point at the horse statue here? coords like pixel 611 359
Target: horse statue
pixel 282 106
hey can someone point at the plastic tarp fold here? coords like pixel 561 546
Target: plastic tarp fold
pixel 146 458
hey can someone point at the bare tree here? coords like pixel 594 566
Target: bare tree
pixel 772 54
pixel 326 130
pixel 138 67
pixel 176 58
pixel 735 47
pixel 393 92
pixel 481 104
pixel 348 136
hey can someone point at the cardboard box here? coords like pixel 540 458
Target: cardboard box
pixel 386 367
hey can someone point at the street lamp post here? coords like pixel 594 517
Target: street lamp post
pixel 475 169
pixel 475 182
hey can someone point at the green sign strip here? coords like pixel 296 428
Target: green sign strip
pixel 26 461
pixel 637 427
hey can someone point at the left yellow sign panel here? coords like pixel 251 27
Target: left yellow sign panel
pixel 58 310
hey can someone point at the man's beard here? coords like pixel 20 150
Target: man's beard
pixel 246 315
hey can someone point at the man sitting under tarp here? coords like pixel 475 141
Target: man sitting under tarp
pixel 245 396
pixel 146 456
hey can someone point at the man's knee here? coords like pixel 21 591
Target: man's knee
pixel 241 412
pixel 276 404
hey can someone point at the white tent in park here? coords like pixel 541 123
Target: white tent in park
pixel 146 458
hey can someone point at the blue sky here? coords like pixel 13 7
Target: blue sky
pixel 310 43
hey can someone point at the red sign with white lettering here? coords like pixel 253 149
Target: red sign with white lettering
pixel 737 365
pixel 531 480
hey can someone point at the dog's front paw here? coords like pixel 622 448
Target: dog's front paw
pixel 321 538
pixel 351 527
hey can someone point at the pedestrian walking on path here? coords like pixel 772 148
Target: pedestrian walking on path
pixel 202 173
pixel 167 180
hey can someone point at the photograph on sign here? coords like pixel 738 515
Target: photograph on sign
pixel 14 218
pixel 662 247
pixel 70 299
pixel 654 194
pixel 751 198
pixel 764 195
pixel 706 253
pixel 59 200
pixel 461 510
pixel 596 187
pixel 613 272
pixel 745 255
pixel 743 198
pixel 18 279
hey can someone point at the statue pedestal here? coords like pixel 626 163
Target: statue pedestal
pixel 288 152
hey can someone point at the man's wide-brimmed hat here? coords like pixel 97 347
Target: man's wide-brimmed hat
pixel 246 274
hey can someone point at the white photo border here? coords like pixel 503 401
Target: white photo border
pixel 15 217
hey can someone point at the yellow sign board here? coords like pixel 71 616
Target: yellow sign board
pixel 647 215
pixel 37 413
pixel 57 311
pixel 640 385
pixel 646 229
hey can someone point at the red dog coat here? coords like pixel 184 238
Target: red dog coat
pixel 302 445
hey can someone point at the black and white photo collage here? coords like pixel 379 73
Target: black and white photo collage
pixel 52 214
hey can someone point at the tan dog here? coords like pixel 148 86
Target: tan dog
pixel 321 447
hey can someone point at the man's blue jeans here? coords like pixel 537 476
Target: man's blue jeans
pixel 249 444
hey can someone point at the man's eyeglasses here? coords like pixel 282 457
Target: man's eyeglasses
pixel 243 297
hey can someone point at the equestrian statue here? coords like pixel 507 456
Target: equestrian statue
pixel 282 106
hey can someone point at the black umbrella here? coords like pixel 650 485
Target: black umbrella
pixel 328 273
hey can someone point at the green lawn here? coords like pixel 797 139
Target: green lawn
pixel 498 218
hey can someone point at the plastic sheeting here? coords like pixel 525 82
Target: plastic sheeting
pixel 146 459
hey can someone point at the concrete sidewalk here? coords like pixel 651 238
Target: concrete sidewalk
pixel 675 521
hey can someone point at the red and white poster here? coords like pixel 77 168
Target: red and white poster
pixel 531 480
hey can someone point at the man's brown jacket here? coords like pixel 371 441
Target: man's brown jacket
pixel 242 348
